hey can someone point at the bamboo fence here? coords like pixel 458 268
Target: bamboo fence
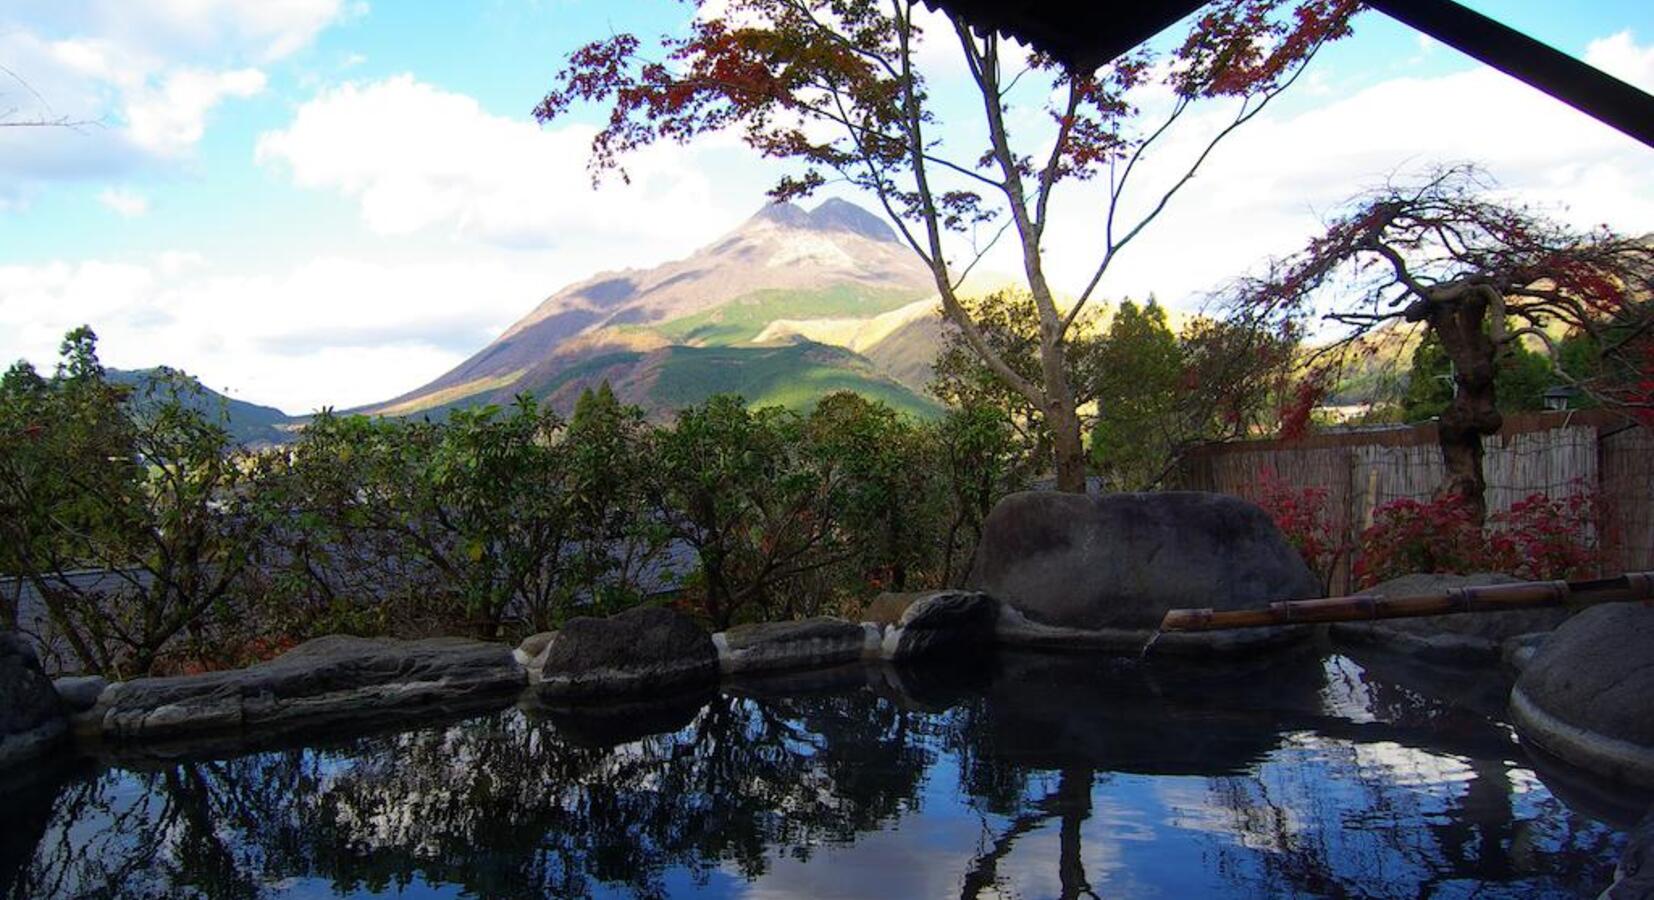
pixel 1558 454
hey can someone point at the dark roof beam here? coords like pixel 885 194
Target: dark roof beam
pixel 1086 36
pixel 1586 88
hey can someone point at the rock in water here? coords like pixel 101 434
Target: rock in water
pixel 642 650
pixel 1587 696
pixel 80 692
pixel 818 643
pixel 1634 876
pixel 31 715
pixel 528 652
pixel 335 679
pixel 1103 571
pixel 941 623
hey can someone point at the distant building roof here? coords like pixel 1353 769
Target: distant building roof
pixel 1087 35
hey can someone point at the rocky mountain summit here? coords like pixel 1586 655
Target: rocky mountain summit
pixel 789 306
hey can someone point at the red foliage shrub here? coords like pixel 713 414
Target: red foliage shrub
pixel 1407 536
pixel 1301 514
pixel 1538 538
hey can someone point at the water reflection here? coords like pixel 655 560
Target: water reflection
pixel 1025 775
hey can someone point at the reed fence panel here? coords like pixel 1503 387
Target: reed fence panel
pixel 1558 454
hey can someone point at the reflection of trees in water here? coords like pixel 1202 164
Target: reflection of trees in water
pixel 1286 798
pixel 1421 799
pixel 1424 799
pixel 501 806
pixel 1343 826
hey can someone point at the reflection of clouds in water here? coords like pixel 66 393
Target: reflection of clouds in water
pixel 850 796
pixel 1219 807
pixel 903 861
pixel 1346 694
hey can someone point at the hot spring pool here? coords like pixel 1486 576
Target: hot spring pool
pixel 1022 776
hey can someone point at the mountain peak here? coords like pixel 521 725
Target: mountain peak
pixel 832 215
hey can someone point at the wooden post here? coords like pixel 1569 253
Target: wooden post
pixel 1631 586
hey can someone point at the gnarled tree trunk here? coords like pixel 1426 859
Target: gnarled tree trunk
pixel 1457 313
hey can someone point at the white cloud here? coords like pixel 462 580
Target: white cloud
pixel 170 118
pixel 416 157
pixel 1620 56
pixel 262 30
pixel 125 202
pixel 331 331
pixel 1265 190
pixel 140 78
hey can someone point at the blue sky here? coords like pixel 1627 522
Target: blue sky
pixel 327 202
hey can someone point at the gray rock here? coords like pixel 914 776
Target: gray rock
pixel 327 680
pixel 31 715
pixel 1587 696
pixel 942 622
pixel 1634 876
pixel 1454 638
pixel 1103 571
pixel 528 652
pixel 80 692
pixel 1519 650
pixel 816 643
pixel 640 651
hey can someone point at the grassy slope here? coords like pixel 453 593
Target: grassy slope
pixel 741 319
pixel 795 376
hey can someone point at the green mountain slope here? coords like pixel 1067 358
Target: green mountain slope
pixel 248 423
pixel 740 320
pixel 795 376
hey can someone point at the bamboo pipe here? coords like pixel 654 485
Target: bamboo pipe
pixel 1360 607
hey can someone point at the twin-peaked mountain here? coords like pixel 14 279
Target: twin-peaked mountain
pixel 787 308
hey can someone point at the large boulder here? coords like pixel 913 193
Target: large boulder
pixel 335 679
pixel 1102 571
pixel 1454 638
pixel 816 643
pixel 1587 695
pixel 646 650
pixel 31 716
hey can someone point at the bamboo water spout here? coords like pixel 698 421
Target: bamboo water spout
pixel 1631 586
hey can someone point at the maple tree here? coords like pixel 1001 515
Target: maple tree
pixel 1485 277
pixel 837 87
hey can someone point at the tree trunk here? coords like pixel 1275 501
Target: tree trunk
pixel 1473 412
pixel 1061 420
pixel 1067 449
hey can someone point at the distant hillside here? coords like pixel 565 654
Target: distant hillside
pixel 673 335
pixel 249 423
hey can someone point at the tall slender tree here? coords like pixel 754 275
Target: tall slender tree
pixel 836 87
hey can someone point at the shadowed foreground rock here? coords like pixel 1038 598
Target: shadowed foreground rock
pixel 1587 696
pixel 1634 876
pixel 1459 638
pixel 820 643
pixel 329 679
pixel 642 650
pixel 31 716
pixel 1102 572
